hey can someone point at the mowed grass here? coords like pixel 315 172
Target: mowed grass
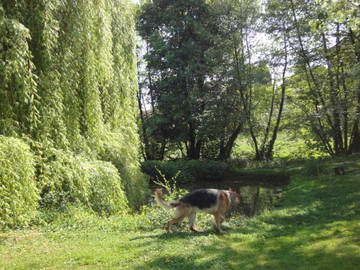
pixel 316 225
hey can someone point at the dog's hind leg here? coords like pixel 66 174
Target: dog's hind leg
pixel 222 219
pixel 192 218
pixel 181 213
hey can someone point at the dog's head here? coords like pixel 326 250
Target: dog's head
pixel 234 197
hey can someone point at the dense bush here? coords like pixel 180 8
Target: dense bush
pixel 67 179
pixel 74 100
pixel 188 170
pixel 106 194
pixel 61 179
pixel 18 192
pixel 168 169
pixel 125 159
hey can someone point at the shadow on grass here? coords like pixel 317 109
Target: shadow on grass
pixel 175 235
pixel 174 263
pixel 318 229
pixel 306 248
pixel 287 253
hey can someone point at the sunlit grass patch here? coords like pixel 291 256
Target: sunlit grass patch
pixel 316 225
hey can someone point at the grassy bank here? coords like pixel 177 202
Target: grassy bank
pixel 316 225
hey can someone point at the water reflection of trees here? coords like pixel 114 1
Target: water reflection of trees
pixel 255 200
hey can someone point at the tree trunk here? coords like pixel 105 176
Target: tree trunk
pixel 225 149
pixel 318 98
pixel 355 136
pixel 336 128
pixel 194 146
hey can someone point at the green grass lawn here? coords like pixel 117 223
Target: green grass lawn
pixel 316 225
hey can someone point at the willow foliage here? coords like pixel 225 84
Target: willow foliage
pixel 18 191
pixel 68 80
pixel 64 178
pixel 18 112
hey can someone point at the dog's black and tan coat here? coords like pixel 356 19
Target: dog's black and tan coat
pixel 212 201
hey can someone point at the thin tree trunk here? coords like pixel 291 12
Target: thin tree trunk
pixel 225 149
pixel 337 133
pixel 269 153
pixel 355 136
pixel 144 135
pixel 310 77
pixel 268 125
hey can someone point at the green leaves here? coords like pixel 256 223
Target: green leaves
pixel 18 93
pixel 68 79
pixel 18 191
pixel 65 179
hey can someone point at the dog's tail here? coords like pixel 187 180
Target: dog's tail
pixel 160 200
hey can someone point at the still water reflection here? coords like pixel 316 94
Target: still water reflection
pixel 254 199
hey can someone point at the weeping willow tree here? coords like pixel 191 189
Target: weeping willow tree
pixel 68 80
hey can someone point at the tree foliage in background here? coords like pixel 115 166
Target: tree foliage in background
pixel 197 75
pixel 264 68
pixel 324 45
pixel 182 56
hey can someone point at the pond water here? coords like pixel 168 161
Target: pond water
pixel 254 199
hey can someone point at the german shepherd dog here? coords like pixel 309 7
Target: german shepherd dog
pixel 212 201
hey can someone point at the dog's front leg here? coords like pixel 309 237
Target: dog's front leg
pixel 192 219
pixel 218 221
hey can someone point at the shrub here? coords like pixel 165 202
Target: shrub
pixel 188 170
pixel 210 171
pixel 154 214
pixel 18 192
pixel 122 153
pixel 238 163
pixel 61 179
pixel 106 194
pixel 65 179
pixel 168 168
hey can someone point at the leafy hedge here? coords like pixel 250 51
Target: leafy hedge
pixel 125 159
pixel 106 194
pixel 67 179
pixel 43 178
pixel 189 171
pixel 18 192
pixel 61 179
